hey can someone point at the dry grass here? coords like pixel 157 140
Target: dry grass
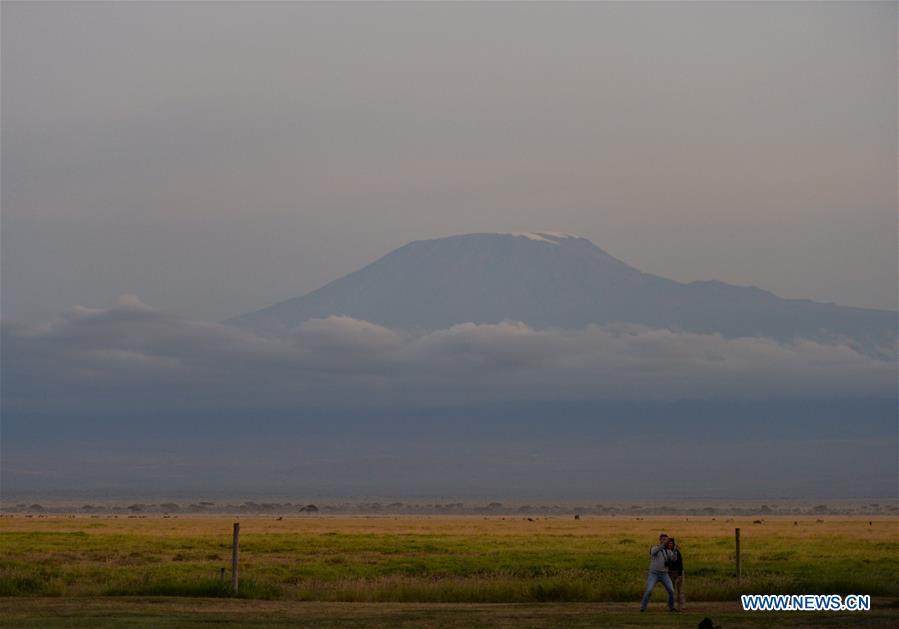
pixel 440 559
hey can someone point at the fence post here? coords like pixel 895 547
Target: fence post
pixel 737 535
pixel 235 552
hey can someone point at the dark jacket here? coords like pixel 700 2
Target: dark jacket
pixel 676 564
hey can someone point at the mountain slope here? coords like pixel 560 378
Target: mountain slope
pixel 549 279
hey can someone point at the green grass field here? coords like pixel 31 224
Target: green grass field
pixel 122 563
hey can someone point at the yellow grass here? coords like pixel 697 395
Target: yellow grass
pixel 471 559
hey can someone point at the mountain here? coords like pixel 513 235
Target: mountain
pixel 549 279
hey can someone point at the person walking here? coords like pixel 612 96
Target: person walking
pixel 676 572
pixel 659 558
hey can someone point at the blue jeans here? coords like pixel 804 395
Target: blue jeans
pixel 664 579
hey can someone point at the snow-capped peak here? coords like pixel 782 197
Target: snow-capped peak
pixel 551 237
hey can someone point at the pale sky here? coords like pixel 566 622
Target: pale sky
pixel 214 158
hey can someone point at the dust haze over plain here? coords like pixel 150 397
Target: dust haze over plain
pixel 170 166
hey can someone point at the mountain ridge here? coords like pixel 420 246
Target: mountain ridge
pixel 553 279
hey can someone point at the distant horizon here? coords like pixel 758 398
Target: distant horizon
pixel 225 503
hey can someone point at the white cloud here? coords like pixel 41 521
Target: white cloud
pixel 133 354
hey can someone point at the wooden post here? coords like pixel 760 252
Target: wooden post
pixel 737 534
pixel 235 552
pixel 222 575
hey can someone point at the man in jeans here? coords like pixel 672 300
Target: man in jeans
pixel 658 572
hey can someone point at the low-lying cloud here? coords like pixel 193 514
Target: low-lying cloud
pixel 132 355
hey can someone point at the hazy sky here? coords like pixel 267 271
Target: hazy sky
pixel 214 158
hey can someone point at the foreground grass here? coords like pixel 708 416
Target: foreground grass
pixel 180 612
pixel 440 559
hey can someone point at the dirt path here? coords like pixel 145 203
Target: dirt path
pixel 188 612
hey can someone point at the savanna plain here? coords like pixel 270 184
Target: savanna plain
pixel 156 571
